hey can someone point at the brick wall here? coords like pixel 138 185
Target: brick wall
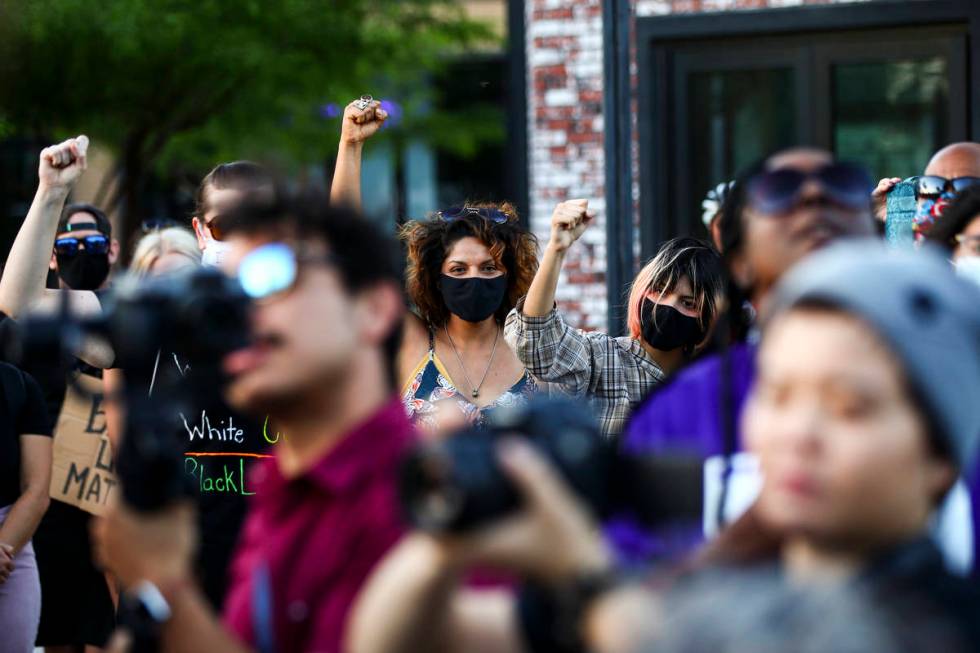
pixel 565 157
pixel 565 129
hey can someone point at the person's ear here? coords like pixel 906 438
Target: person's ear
pixel 113 251
pixel 379 310
pixel 941 476
pixel 53 264
pixel 198 225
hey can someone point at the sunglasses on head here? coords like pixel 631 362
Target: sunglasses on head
pixel 272 269
pixel 934 186
pixel 458 212
pixel 778 191
pixel 69 246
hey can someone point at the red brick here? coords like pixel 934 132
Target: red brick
pixel 556 70
pixel 584 137
pixel 553 14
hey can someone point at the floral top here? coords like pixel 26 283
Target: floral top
pixel 430 384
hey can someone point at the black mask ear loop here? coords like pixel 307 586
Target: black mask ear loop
pixel 690 348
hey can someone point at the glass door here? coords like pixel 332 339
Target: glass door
pixel 883 98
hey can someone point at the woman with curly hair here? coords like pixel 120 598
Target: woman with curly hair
pixel 467 268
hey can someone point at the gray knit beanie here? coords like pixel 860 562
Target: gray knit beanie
pixel 929 317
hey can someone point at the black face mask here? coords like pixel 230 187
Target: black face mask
pixel 665 328
pixel 83 271
pixel 474 299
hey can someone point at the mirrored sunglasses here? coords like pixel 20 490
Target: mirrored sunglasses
pixel 69 246
pixel 272 269
pixel 934 186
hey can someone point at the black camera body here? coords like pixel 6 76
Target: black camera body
pixel 456 484
pixel 200 316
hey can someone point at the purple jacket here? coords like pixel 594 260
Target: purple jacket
pixel 680 417
pixel 683 416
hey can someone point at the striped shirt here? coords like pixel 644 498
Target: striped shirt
pixel 615 373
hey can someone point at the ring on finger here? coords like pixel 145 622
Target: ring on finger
pixel 364 102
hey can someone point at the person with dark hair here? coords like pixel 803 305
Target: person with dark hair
pixel 467 268
pixel 84 249
pixel 77 608
pixel 325 327
pixel 950 171
pixel 958 229
pixel 777 213
pixel 219 191
pixel 673 303
pixel 861 419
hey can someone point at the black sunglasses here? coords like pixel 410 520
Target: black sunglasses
pixel 458 212
pixel 68 247
pixel 778 191
pixel 934 186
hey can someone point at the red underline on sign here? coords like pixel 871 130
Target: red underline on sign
pixel 243 455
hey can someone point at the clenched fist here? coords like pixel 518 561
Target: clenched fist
pixel 61 165
pixel 568 223
pixel 361 124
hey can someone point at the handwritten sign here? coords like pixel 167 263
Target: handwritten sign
pixel 219 473
pixel 83 473
pixel 220 445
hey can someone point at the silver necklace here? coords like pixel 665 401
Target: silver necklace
pixel 475 389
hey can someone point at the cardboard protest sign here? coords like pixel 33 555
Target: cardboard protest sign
pixel 83 472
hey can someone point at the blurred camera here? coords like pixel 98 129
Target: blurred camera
pixel 197 316
pixel 457 484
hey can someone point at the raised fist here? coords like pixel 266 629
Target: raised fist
pixel 61 165
pixel 361 124
pixel 569 222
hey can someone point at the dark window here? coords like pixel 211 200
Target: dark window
pixel 881 97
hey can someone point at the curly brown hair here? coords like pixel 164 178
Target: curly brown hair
pixel 428 243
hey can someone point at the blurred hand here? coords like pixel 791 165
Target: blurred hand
pixel 120 642
pixel 61 165
pixel 552 539
pixel 158 547
pixel 361 124
pixel 569 222
pixel 6 562
pixel 879 197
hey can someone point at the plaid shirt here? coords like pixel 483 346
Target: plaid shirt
pixel 616 373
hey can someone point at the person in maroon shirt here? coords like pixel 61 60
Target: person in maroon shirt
pixel 326 325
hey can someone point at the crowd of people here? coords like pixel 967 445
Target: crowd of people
pixel 811 388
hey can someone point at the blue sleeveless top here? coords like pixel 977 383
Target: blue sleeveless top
pixel 430 384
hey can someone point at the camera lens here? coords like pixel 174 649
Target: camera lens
pixel 432 500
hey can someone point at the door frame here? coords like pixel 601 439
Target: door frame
pixel 655 37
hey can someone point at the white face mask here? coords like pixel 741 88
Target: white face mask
pixel 214 253
pixel 968 267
